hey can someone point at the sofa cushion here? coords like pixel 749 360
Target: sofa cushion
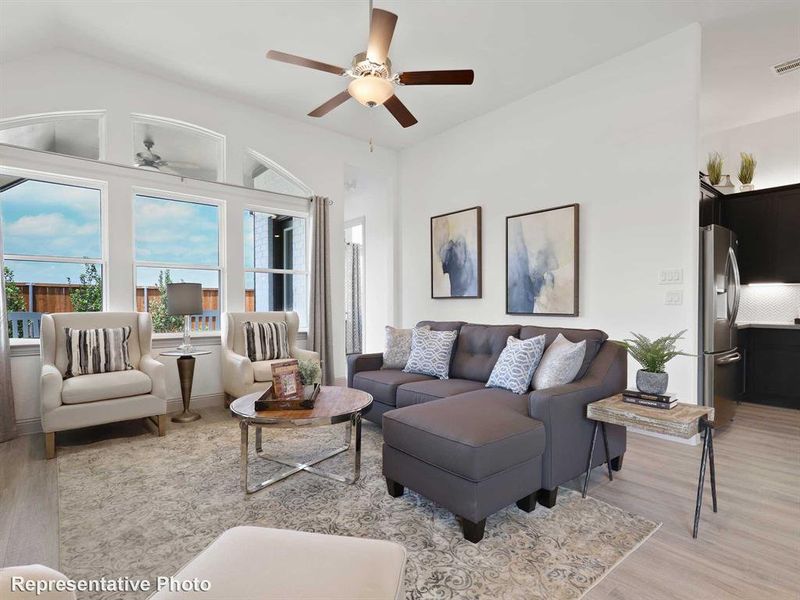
pixel 397 347
pixel 383 384
pixel 478 348
pixel 594 340
pixel 104 386
pixel 431 352
pixel 474 435
pixel 424 391
pixel 560 364
pixel 515 367
pixel 442 325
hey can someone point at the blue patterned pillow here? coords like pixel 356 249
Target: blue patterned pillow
pixel 430 352
pixel 514 369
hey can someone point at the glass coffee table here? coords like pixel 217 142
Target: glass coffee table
pixel 333 405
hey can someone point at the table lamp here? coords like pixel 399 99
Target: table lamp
pixel 185 299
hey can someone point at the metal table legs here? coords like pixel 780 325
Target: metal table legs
pixel 353 424
pixel 707 456
pixel 186 375
pixel 602 426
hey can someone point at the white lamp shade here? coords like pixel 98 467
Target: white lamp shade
pixel 184 299
pixel 370 90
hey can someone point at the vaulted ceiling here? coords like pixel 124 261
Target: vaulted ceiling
pixel 515 48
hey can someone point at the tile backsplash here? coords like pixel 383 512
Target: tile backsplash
pixel 769 303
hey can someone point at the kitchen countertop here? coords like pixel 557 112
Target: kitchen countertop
pixel 769 325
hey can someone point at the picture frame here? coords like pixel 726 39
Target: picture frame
pixel 456 254
pixel 550 238
pixel 286 381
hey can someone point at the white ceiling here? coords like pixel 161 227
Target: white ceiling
pixel 515 48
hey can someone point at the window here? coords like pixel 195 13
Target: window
pixel 53 250
pixel 276 263
pixel 177 241
pixel 260 173
pixel 75 133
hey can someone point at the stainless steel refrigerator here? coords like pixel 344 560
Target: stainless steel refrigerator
pixel 720 361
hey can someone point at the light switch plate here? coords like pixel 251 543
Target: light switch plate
pixel 670 277
pixel 673 297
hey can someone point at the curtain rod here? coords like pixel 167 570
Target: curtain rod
pixel 138 170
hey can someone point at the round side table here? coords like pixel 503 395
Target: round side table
pixel 185 364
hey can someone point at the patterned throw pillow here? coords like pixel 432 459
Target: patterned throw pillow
pixel 398 347
pixel 265 341
pixel 560 363
pixel 515 367
pixel 430 352
pixel 97 350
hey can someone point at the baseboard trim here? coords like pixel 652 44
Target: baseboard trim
pixel 34 426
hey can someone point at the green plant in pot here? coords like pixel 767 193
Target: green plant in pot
pixel 747 169
pixel 714 168
pixel 653 356
pixel 310 375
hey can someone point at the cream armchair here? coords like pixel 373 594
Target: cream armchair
pixel 87 400
pixel 239 375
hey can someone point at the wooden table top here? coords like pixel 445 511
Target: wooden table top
pixel 332 403
pixel 682 421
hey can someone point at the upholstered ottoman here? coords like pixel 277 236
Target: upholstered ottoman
pixel 257 563
pixel 472 455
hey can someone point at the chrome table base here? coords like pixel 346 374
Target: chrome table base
pixel 354 423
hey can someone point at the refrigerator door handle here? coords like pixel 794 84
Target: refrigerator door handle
pixel 737 285
pixel 729 359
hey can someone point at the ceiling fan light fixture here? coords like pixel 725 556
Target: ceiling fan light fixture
pixel 371 90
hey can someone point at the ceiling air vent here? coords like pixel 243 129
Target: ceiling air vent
pixel 786 67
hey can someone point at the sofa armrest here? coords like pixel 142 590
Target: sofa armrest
pixel 156 371
pixel 562 409
pixel 303 354
pixel 237 373
pixel 362 362
pixel 50 385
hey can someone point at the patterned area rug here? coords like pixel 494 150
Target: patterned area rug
pixel 144 506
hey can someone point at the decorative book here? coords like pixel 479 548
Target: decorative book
pixel 651 403
pixel 668 397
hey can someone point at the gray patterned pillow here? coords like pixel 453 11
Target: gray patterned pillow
pixel 398 347
pixel 430 352
pixel 517 362
pixel 560 363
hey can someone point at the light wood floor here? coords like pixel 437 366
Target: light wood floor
pixel 750 549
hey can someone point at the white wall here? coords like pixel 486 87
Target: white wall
pixel 61 80
pixel 620 139
pixel 372 200
pixel 774 142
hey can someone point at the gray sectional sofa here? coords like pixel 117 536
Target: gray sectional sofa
pixel 476 450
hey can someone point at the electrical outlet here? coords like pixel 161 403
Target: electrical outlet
pixel 670 277
pixel 673 297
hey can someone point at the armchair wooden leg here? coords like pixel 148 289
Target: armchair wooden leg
pixel 50 444
pixel 162 425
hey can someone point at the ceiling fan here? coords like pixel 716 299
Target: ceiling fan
pixel 153 162
pixel 373 82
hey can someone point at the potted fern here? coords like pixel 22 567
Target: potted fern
pixel 715 176
pixel 747 169
pixel 653 356
pixel 310 375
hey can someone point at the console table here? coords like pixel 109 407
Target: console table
pixel 683 421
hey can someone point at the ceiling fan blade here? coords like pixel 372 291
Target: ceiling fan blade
pixel 328 106
pixel 381 30
pixel 400 112
pixel 293 59
pixel 453 77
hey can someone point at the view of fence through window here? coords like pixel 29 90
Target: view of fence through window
pixel 176 241
pixel 52 251
pixel 276 272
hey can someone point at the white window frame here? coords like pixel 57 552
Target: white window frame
pixel 50 117
pixel 304 272
pixel 283 172
pixel 162 194
pixel 95 184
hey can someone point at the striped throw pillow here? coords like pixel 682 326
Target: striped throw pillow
pixel 266 341
pixel 97 350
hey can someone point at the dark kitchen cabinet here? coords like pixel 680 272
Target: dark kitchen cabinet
pixel 771 365
pixel 767 224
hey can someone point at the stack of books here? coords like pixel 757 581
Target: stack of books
pixel 665 401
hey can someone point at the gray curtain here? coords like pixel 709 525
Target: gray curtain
pixel 8 420
pixel 353 310
pixel 319 326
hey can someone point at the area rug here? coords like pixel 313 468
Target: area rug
pixel 143 506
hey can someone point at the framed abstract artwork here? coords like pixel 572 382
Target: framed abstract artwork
pixel 456 254
pixel 542 262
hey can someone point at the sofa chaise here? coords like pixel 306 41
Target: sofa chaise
pixel 476 450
